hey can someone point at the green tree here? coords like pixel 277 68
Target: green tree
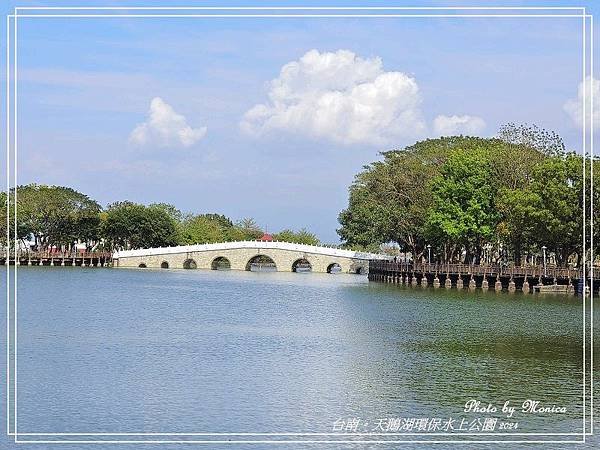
pixel 520 211
pixel 558 182
pixel 175 214
pixel 56 216
pixel 205 228
pixel 4 226
pixel 393 200
pixel 129 225
pixel 222 220
pixel 298 237
pixel 463 214
pixel 389 200
pixel 245 229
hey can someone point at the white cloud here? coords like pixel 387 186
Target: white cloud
pixel 165 128
pixel 574 107
pixel 452 125
pixel 342 97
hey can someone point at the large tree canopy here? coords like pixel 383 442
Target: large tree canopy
pixel 54 216
pixel 298 237
pixel 129 225
pixel 390 200
pixel 511 195
pixel 59 218
pixel 462 214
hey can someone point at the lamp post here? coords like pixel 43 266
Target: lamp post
pixel 544 250
pixel 428 254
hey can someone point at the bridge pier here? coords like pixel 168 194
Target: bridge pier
pixel 498 284
pixel 472 284
pixel 485 285
pixel 459 282
pixel 448 282
pixel 570 287
pixel 512 287
pixel 525 287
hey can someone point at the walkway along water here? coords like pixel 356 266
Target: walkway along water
pixel 84 259
pixel 526 278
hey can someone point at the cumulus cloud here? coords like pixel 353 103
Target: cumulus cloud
pixel 342 97
pixel 452 125
pixel 165 128
pixel 574 107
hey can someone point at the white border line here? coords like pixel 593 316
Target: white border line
pixel 584 298
pixel 15 140
pixel 8 206
pixel 592 224
pixel 302 434
pixel 302 441
pixel 301 16
pixel 303 8
pixel 583 15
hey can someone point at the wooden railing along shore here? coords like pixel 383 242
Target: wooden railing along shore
pixel 56 258
pixel 485 276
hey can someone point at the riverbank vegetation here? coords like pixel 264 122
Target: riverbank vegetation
pixel 474 200
pixel 458 199
pixel 60 218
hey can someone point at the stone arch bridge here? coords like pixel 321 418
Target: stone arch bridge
pixel 244 255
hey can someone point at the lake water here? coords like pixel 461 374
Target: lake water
pixel 187 351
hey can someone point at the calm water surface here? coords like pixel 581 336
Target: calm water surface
pixel 117 350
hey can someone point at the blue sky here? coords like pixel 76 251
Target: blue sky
pixel 271 118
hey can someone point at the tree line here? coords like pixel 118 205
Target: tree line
pixel 473 200
pixel 61 218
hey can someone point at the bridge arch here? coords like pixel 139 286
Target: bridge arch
pixel 242 255
pixel 220 263
pixel 190 264
pixel 164 265
pixel 142 265
pixel 301 265
pixel 261 263
pixel 334 267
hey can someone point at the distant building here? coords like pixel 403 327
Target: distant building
pixel 266 237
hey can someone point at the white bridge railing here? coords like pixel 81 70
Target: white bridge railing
pixel 263 245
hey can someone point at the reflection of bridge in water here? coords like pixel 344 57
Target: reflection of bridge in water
pixel 494 277
pixel 249 255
